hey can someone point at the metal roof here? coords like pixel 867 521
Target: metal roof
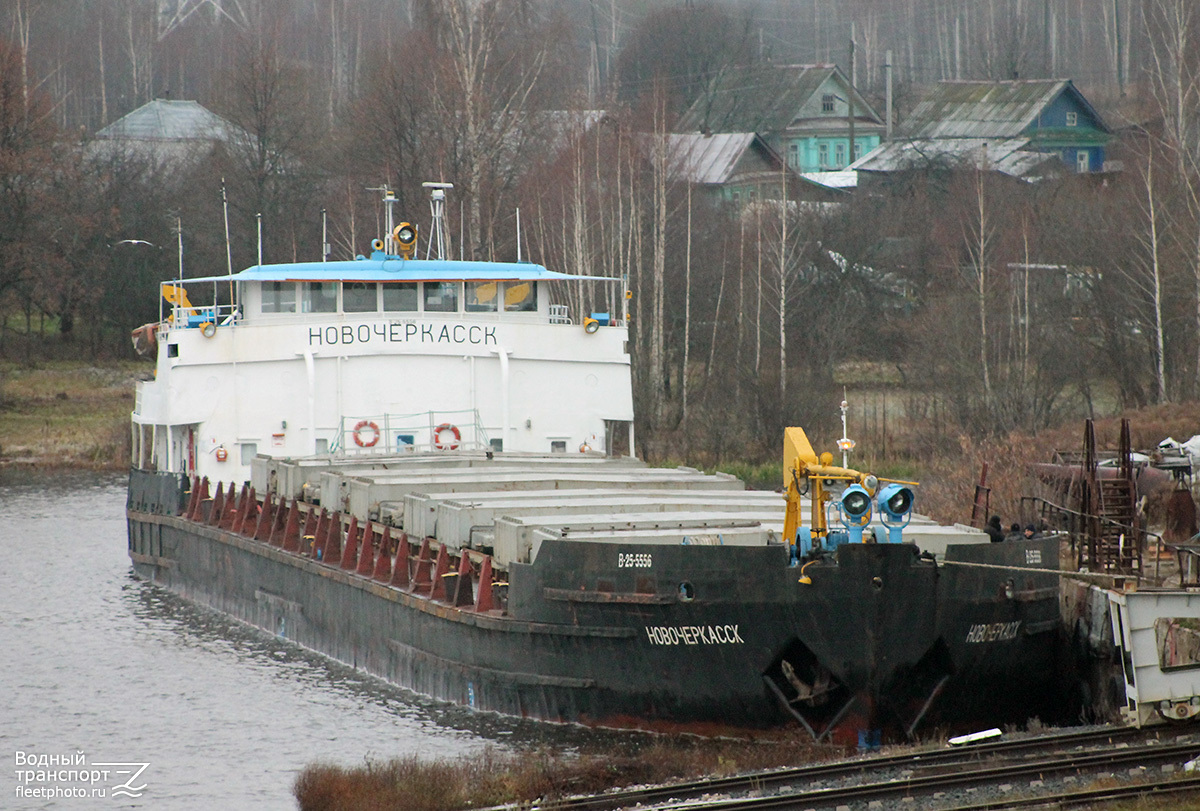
pixel 709 159
pixel 766 99
pixel 163 120
pixel 383 268
pixel 973 109
pixel 1007 155
pixel 839 179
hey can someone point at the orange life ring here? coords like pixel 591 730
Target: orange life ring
pixel 441 444
pixel 358 438
pixel 222 454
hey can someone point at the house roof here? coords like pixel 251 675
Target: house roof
pixel 977 109
pixel 164 120
pixel 765 99
pixel 1004 155
pixel 708 159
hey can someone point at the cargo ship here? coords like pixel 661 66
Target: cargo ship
pixel 426 468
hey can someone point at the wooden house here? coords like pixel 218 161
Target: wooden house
pixel 810 114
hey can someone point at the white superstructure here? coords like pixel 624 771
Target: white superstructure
pixel 382 354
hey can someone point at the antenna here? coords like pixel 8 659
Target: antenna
pixel 228 248
pixel 845 443
pixel 437 208
pixel 389 200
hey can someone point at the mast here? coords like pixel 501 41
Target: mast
pixel 437 208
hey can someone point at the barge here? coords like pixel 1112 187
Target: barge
pixel 426 468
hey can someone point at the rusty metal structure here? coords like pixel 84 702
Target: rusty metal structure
pixel 1097 505
pixel 1112 539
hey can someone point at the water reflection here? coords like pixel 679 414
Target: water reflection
pixel 202 628
pixel 99 662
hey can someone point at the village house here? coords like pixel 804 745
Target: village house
pixel 810 114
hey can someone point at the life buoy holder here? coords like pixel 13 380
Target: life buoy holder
pixel 442 444
pixel 222 454
pixel 366 425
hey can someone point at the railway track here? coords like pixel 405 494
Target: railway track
pixel 885 778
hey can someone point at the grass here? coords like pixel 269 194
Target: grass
pixel 67 414
pixel 494 778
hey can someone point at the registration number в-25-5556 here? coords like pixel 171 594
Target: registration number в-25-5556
pixel 633 560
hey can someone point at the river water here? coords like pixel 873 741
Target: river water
pixel 99 670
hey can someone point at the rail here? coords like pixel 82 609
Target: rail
pixel 411 433
pixel 196 317
pixel 1075 520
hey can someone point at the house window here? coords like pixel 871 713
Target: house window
pixel 827 103
pixel 1072 119
pixel 858 147
pixel 1082 161
pixel 823 156
pixel 794 155
pixel 839 155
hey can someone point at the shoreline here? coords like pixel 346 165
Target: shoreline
pixel 67 415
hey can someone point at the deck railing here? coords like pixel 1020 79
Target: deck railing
pixel 411 433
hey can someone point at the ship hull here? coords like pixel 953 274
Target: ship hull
pixel 882 641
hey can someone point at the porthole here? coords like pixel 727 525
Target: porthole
pixel 687 592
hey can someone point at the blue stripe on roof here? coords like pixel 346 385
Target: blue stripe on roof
pixel 393 269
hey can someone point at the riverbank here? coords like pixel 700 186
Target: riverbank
pixel 67 414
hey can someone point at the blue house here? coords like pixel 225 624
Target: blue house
pixel 803 112
pixel 1022 128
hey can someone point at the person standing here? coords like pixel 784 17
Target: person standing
pixel 994 530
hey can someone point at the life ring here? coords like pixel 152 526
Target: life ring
pixel 584 447
pixel 443 445
pixel 358 437
pixel 222 454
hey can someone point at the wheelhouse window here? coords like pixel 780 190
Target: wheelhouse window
pixel 481 297
pixel 441 297
pixel 319 297
pixel 400 297
pixel 278 297
pixel 520 297
pixel 359 297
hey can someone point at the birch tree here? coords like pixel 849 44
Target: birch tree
pixel 1173 27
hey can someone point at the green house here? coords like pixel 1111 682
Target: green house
pixel 803 112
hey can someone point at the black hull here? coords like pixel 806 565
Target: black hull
pixel 706 636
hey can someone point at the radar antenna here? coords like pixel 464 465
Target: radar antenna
pixel 437 207
pixel 389 200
